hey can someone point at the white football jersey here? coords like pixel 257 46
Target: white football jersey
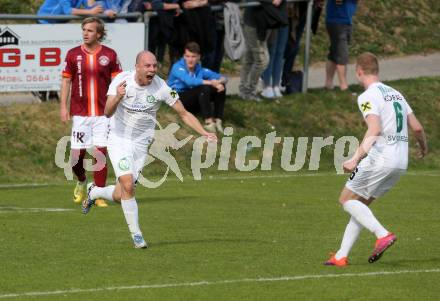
pixel 135 116
pixel 391 150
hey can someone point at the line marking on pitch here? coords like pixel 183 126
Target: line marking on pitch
pixel 29 185
pixel 10 209
pixel 219 282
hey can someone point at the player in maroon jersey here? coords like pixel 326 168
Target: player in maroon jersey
pixel 88 71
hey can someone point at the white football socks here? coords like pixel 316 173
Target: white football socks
pixel 365 217
pixel 351 234
pixel 130 209
pixel 102 192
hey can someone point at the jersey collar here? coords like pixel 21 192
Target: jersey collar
pixel 97 50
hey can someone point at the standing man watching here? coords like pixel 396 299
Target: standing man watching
pixel 89 69
pixel 339 15
pixel 134 97
pixel 256 29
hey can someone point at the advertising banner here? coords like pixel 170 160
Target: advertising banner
pixel 32 56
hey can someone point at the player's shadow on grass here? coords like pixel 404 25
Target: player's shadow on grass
pixel 407 262
pixel 394 263
pixel 154 199
pixel 206 241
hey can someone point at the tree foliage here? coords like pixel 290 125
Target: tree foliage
pixel 20 6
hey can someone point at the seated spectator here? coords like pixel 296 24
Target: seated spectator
pixel 68 7
pixel 199 88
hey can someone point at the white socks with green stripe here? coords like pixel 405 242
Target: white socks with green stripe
pixel 130 209
pixel 365 217
pixel 102 193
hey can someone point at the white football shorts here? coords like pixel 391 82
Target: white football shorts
pixel 126 156
pixel 89 131
pixel 370 182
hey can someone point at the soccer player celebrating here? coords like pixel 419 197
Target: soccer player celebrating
pixel 380 160
pixel 134 97
pixel 89 69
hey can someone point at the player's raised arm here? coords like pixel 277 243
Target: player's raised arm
pixel 113 100
pixel 65 89
pixel 419 132
pixel 192 121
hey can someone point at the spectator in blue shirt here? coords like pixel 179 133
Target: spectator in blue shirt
pixel 68 7
pixel 339 14
pixel 200 89
pixel 114 7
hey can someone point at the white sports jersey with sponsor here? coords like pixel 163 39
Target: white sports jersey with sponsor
pixel 135 116
pixel 391 150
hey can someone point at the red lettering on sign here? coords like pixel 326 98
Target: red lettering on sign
pixel 9 57
pixel 50 57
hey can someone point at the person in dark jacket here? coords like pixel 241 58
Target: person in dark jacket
pixel 200 89
pixel 213 59
pixel 194 24
pixel 161 27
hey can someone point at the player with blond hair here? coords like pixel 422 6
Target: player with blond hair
pixel 88 71
pixel 380 160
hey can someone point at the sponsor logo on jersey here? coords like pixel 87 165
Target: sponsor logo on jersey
pixel 151 99
pixel 173 93
pixel 138 104
pixel 79 60
pixel 124 164
pixel 391 139
pixel 393 97
pixel 103 60
pixel 366 106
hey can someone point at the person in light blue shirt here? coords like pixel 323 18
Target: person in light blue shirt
pixel 339 20
pixel 200 89
pixel 68 7
pixel 114 7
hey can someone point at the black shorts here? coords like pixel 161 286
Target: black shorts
pixel 340 36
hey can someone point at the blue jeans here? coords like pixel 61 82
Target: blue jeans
pixel 292 49
pixel 272 75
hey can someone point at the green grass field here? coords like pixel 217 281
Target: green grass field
pixel 222 238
